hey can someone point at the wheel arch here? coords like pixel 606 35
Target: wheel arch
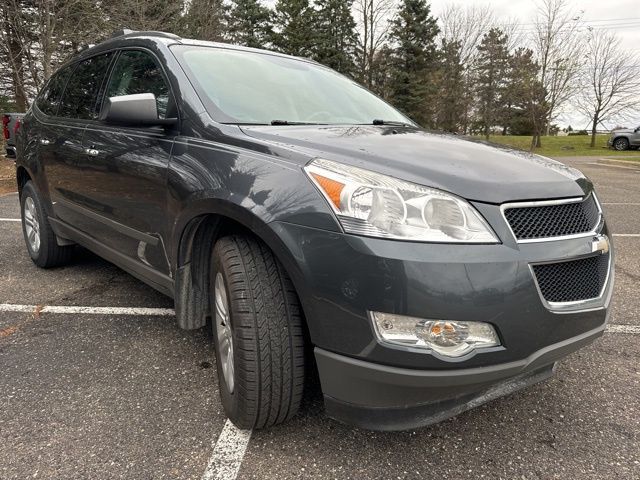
pixel 194 236
pixel 22 177
pixel 619 136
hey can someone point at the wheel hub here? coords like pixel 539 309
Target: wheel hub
pixel 620 145
pixel 223 332
pixel 32 226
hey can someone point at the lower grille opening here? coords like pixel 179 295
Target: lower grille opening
pixel 574 280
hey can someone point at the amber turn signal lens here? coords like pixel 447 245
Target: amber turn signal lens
pixel 447 338
pixel 332 188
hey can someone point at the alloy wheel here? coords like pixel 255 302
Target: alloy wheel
pixel 621 144
pixel 224 333
pixel 32 226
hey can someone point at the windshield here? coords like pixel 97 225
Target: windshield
pixel 247 87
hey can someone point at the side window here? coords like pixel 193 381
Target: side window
pixel 80 96
pixel 136 71
pixel 48 99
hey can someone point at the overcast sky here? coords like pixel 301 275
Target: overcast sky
pixel 621 16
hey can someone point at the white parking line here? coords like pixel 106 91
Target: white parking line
pixel 632 167
pixel 70 309
pixel 630 329
pixel 10 220
pixel 228 452
pixel 620 203
pixel 231 445
pixel 626 234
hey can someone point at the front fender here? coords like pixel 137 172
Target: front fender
pixel 253 188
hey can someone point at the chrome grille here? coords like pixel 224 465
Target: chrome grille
pixel 572 281
pixel 530 222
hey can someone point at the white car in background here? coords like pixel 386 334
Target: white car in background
pixel 625 138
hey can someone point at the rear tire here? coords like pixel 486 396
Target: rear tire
pixel 263 385
pixel 621 144
pixel 41 242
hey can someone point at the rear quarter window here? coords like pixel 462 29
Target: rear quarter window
pixel 49 99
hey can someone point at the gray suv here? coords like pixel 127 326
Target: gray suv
pixel 315 229
pixel 625 138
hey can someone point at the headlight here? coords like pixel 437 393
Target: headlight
pixel 445 337
pixel 375 205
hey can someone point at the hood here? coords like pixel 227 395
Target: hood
pixel 469 169
pixel 622 130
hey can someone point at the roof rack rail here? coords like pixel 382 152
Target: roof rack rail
pixel 125 31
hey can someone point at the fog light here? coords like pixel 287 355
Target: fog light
pixel 446 337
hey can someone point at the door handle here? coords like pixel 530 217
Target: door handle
pixel 45 141
pixel 92 151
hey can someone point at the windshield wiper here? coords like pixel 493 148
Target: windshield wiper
pixel 378 121
pixel 287 122
pixel 245 124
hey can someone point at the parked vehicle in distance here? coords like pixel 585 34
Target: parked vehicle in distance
pixel 317 227
pixel 624 138
pixel 10 123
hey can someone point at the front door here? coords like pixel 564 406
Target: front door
pixel 127 193
pixel 635 138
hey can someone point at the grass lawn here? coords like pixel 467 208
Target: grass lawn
pixel 575 145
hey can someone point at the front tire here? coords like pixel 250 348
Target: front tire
pixel 621 144
pixel 42 244
pixel 258 334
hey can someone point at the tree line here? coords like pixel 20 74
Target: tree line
pixel 463 72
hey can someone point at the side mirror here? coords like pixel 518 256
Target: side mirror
pixel 139 109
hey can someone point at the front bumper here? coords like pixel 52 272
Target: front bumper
pixel 380 397
pixel 340 278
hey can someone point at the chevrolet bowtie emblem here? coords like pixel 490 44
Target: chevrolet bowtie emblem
pixel 600 244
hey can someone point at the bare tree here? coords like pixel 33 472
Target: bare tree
pixel 466 26
pixel 61 27
pixel 37 35
pixel 14 50
pixel 610 79
pixel 149 14
pixel 556 42
pixel 372 18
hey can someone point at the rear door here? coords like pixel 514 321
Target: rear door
pixel 43 134
pixel 126 168
pixel 64 159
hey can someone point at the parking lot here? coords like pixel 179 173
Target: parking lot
pixel 116 390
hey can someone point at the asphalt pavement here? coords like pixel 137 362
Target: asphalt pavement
pixel 117 391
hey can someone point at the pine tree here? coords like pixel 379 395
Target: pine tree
pixel 381 69
pixel 205 20
pixel 522 93
pixel 491 81
pixel 249 23
pixel 452 97
pixel 414 61
pixel 293 22
pixel 336 36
